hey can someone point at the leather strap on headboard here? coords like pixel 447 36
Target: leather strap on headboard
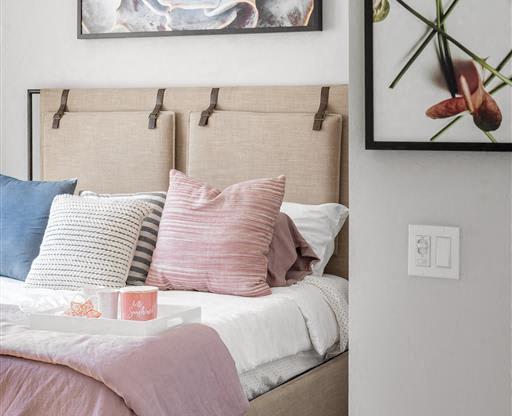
pixel 62 109
pixel 158 107
pixel 322 110
pixel 205 115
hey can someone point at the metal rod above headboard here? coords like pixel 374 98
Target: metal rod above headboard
pixel 30 133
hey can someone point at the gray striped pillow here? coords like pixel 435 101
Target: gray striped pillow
pixel 88 242
pixel 149 231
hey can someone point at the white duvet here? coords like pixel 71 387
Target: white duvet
pixel 255 330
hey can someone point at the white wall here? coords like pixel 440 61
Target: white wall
pixel 426 347
pixel 418 347
pixel 40 50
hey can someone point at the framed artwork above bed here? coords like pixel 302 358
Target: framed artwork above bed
pixel 438 74
pixel 138 18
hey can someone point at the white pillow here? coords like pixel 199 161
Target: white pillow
pixel 148 233
pixel 319 225
pixel 88 242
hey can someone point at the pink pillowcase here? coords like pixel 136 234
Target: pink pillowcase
pixel 216 241
pixel 290 257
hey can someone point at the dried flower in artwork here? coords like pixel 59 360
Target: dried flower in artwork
pixel 471 97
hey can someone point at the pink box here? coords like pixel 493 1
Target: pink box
pixel 138 303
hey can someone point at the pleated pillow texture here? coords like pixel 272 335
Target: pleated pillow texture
pixel 148 233
pixel 88 242
pixel 216 241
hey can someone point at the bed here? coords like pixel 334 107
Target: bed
pixel 216 135
pixel 309 332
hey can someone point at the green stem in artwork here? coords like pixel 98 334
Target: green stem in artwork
pixel 463 48
pixel 445 128
pixel 490 136
pixel 500 66
pixel 422 47
pixel 499 87
pixel 458 118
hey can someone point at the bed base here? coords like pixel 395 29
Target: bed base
pixel 322 391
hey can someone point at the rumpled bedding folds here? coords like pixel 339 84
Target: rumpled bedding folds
pixel 33 388
pixel 186 371
pixel 243 334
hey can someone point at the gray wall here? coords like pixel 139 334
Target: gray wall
pixel 425 347
pixel 419 346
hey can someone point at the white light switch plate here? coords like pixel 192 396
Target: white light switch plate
pixel 434 251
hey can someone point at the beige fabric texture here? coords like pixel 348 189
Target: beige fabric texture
pixel 302 100
pixel 238 146
pixel 109 152
pixel 322 391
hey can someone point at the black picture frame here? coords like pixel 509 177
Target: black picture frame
pixel 370 143
pixel 315 25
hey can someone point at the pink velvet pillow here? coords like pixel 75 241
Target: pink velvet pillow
pixel 215 241
pixel 290 257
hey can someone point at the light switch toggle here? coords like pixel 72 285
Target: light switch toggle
pixel 443 252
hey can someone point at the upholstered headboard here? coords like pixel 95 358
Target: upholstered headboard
pixel 103 138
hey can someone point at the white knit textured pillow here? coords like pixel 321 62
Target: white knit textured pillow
pixel 148 233
pixel 88 241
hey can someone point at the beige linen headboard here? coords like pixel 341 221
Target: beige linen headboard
pixel 103 139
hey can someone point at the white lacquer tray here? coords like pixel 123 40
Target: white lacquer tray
pixel 168 316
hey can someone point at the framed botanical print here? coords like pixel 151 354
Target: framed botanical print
pixel 438 74
pixel 136 18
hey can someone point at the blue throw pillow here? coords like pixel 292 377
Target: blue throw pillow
pixel 24 210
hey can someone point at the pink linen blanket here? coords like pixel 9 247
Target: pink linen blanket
pixel 186 371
